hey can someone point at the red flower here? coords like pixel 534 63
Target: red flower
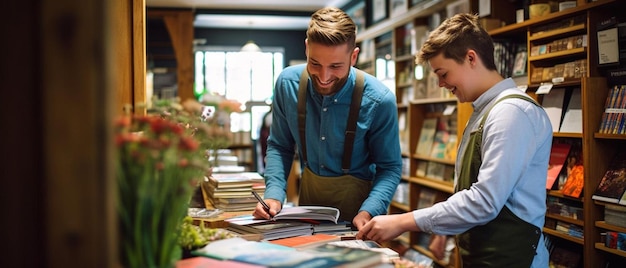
pixel 188 143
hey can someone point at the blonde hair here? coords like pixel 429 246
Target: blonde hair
pixel 454 37
pixel 331 26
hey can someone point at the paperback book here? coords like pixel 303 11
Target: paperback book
pixel 612 186
pixel 326 255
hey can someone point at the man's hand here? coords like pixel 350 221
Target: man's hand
pixel 361 219
pixel 386 227
pixel 261 213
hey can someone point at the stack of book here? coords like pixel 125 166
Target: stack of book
pixel 232 191
pixel 289 222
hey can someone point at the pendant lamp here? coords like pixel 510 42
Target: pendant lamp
pixel 250 46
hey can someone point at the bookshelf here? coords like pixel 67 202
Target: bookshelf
pixel 396 40
pixel 557 29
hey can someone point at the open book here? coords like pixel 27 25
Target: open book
pixel 308 213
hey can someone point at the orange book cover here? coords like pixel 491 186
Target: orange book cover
pixel 574 184
pixel 205 262
pixel 306 241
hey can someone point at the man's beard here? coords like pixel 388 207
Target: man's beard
pixel 334 88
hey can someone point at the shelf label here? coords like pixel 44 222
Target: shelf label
pixel 545 88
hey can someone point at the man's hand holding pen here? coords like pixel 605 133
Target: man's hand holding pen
pixel 266 209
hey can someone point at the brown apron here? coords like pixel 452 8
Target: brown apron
pixel 345 192
pixel 507 240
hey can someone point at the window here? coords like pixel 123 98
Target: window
pixel 247 77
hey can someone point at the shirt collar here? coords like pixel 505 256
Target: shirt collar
pixel 488 96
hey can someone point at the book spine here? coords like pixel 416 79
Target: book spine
pixel 606 115
pixel 618 115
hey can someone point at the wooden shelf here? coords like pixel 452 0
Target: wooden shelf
pixel 602 247
pixel 610 227
pixel 557 33
pixel 443 186
pixel 563 235
pixel 565 219
pixel 558 54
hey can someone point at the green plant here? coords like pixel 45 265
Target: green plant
pixel 159 164
pixel 196 236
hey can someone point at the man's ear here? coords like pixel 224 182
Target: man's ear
pixel 472 57
pixel 354 56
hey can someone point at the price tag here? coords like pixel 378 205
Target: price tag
pixel 544 88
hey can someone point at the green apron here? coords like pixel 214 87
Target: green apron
pixel 507 241
pixel 345 192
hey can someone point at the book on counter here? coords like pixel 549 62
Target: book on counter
pixel 269 229
pixel 273 255
pixel 232 191
pixel 205 262
pixel 388 254
pixel 306 241
pixel 319 213
pixel 612 186
pixel 231 180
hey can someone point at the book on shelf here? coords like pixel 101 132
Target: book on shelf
pixel 553 105
pixel 420 171
pixel 439 145
pixel 573 186
pixel 306 241
pixel 572 119
pixel 558 157
pixel 612 186
pixel 613 118
pixel 615 215
pixel 436 171
pixel 427 197
pixel 426 137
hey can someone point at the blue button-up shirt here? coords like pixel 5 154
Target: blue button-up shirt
pixel 376 155
pixel 515 150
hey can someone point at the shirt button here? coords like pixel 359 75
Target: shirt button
pixel 335 100
pixel 325 109
pixel 323 138
pixel 322 166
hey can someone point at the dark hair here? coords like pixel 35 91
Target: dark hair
pixel 331 26
pixel 455 36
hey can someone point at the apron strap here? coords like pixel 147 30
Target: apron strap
pixel 355 105
pixel 304 81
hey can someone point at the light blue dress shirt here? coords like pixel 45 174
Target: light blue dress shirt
pixel 376 155
pixel 517 138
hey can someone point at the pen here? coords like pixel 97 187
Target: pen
pixel 258 197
